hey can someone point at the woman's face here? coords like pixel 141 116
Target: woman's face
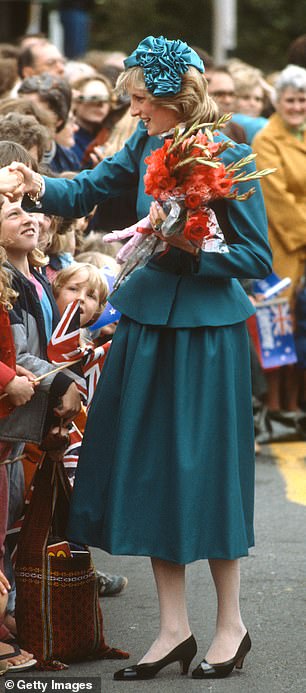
pixel 251 101
pixel 77 288
pixel 157 119
pixel 92 104
pixel 291 106
pixel 18 230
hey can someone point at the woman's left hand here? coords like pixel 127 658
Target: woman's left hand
pixel 157 216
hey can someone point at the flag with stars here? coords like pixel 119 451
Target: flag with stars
pixel 272 333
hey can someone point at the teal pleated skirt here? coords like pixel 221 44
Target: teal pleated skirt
pixel 167 464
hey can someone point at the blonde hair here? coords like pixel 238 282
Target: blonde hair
pixel 246 81
pixel 7 294
pixel 100 260
pixel 95 280
pixel 37 258
pixel 192 104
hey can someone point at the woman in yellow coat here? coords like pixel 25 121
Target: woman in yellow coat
pixel 282 144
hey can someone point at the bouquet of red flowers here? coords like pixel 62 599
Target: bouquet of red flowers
pixel 186 173
pixel 184 176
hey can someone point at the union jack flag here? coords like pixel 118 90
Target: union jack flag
pixel 281 319
pixel 64 348
pixel 64 345
pixel 12 534
pixel 71 456
pixel 272 333
pixel 92 367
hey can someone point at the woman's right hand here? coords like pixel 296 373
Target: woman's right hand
pixel 20 390
pixel 11 183
pixel 32 181
pixel 157 216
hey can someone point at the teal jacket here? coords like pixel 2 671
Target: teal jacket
pixel 176 289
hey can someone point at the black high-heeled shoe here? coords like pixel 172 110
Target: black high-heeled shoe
pixel 218 671
pixel 183 653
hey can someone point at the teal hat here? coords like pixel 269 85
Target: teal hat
pixel 163 63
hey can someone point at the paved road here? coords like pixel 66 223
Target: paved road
pixel 273 597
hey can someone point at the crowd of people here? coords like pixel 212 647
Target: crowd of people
pixel 74 136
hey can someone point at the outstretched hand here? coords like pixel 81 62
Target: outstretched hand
pixel 32 181
pixel 11 183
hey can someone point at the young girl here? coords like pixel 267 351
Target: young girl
pixel 34 315
pixel 32 319
pixel 17 386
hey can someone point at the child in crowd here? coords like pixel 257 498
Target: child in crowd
pixel 85 282
pixel 16 389
pixel 100 335
pixel 35 313
pixel 32 319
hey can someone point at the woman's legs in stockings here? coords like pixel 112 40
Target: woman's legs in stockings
pixel 230 628
pixel 174 625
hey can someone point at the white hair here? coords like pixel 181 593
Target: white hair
pixel 292 76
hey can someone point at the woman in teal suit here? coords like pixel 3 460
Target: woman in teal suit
pixel 167 465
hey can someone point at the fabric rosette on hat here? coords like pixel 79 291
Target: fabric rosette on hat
pixel 163 63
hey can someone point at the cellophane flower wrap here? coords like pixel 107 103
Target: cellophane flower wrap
pixel 185 175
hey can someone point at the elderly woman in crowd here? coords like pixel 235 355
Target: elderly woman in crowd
pixel 282 144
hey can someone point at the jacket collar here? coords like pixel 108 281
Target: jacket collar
pixel 278 130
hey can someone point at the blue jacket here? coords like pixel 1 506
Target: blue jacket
pixel 175 290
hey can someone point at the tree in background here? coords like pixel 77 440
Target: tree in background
pixel 265 27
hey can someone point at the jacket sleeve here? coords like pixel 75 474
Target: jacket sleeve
pixel 111 178
pixel 249 254
pixel 287 218
pixel 35 364
pixel 6 375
